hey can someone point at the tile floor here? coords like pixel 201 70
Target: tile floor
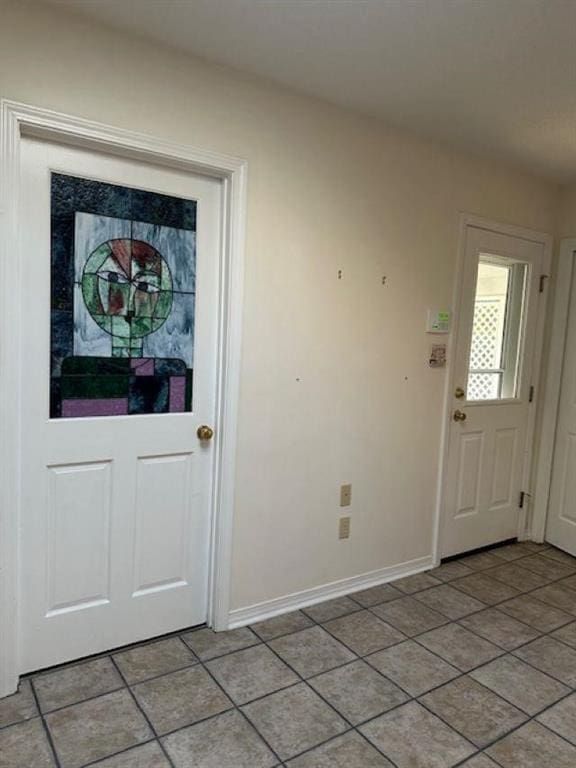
pixel 473 664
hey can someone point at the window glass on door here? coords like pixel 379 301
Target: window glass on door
pixel 493 368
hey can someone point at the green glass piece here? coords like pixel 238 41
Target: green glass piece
pixel 95 386
pixel 76 366
pixel 141 326
pixel 104 321
pixel 97 258
pixel 92 296
pixel 163 305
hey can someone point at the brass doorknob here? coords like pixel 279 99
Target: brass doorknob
pixel 459 416
pixel 459 393
pixel 205 433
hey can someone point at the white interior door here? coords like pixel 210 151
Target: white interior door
pixel 493 360
pixel 120 297
pixel 561 522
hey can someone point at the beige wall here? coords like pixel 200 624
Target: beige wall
pixel 335 383
pixel 566 220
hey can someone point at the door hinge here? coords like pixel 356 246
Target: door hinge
pixel 543 279
pixel 531 393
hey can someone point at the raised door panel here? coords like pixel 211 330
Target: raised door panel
pixel 568 481
pixel 78 537
pixel 469 469
pixel 163 518
pixel 504 468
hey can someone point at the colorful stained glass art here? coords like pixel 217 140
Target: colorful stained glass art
pixel 123 300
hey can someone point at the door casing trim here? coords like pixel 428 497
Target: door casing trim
pixel 562 287
pixel 470 220
pixel 18 120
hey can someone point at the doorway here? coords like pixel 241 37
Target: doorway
pixel 496 351
pixel 557 458
pixel 117 505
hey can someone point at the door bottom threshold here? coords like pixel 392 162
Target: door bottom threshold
pixel 478 550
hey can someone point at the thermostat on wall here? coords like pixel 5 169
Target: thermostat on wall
pixel 438 321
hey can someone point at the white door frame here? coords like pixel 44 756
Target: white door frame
pixel 18 120
pixel 470 220
pixel 561 309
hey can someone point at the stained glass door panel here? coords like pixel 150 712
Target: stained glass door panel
pixel 123 290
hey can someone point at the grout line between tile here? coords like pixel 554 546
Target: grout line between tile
pixel 144 715
pixel 46 728
pixel 365 657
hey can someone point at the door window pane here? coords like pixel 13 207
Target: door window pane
pixel 497 328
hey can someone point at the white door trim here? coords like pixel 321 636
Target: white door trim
pixel 470 220
pixel 17 120
pixel 554 369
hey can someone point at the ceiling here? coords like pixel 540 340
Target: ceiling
pixel 492 76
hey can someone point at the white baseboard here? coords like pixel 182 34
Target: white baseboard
pixel 239 617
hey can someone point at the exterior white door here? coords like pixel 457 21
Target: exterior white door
pixel 119 312
pixel 494 351
pixel 561 522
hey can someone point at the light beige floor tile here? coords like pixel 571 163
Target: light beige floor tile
pixel 412 737
pixel 412 667
pixel 358 692
pixel 522 685
pixel 311 651
pixel 459 647
pixel 449 601
pixel 364 633
pixel 471 709
pixel 226 741
pixel 383 593
pixel 481 561
pixel 281 625
pixel 536 614
pixel 420 581
pixel 147 756
pixel 560 557
pixel 558 595
pixel 180 698
pixel 75 683
pixel 331 609
pixel 561 718
pixel 347 751
pixel 552 657
pixel 520 578
pixel 483 588
pixel 153 659
pixel 480 761
pixel 25 746
pixel 410 616
pixel 208 644
pixel 567 634
pixel 294 720
pixel 20 706
pixel 97 728
pixel 451 570
pixel 533 746
pixel 251 673
pixel 499 628
pixel 548 568
pixel 510 552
